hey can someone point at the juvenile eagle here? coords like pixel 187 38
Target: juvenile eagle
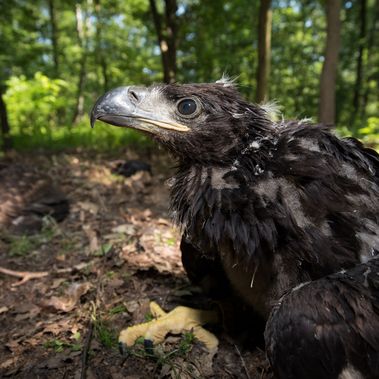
pixel 285 214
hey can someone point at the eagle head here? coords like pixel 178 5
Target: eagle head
pixel 197 122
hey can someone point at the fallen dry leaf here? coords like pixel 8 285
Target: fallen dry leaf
pixel 88 206
pixel 94 244
pixel 8 363
pixel 56 327
pixel 3 310
pixel 56 283
pixel 132 306
pixel 68 302
pixel 13 345
pixel 128 229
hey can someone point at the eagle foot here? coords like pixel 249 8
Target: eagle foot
pixel 180 319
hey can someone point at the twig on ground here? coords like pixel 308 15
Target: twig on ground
pixel 24 275
pixel 28 275
pixel 243 362
pixel 86 346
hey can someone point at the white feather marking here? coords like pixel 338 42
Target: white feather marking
pixel 350 372
pixel 227 81
pixel 299 286
pixel 306 120
pixel 365 274
pixel 235 165
pixel 253 277
pixel 272 110
pixel 238 115
pixel 219 183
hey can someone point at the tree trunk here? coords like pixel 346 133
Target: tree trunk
pixel 81 36
pixel 302 70
pixel 5 128
pixel 357 99
pixel 327 107
pixel 264 50
pixel 54 36
pixel 167 34
pixel 370 53
pixel 99 49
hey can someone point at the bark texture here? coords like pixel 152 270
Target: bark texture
pixel 327 107
pixel 166 30
pixel 264 50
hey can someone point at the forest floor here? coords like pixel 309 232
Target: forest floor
pixel 116 251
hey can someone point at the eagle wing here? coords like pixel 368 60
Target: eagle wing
pixel 331 323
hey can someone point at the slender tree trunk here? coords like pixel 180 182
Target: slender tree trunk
pixel 357 99
pixel 60 112
pixel 167 34
pixel 171 33
pixel 81 36
pixel 264 50
pixel 327 107
pixel 54 36
pixel 370 50
pixel 302 71
pixel 99 49
pixel 5 128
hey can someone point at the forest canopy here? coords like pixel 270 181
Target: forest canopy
pixel 57 57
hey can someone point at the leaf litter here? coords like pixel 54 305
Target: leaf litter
pixel 116 251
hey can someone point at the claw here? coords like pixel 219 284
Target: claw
pixel 149 346
pixel 180 319
pixel 124 351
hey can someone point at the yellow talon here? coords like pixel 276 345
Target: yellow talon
pixel 156 310
pixel 180 319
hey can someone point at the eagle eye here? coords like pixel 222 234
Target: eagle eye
pixel 188 107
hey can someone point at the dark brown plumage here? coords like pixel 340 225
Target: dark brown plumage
pixel 265 206
pixel 331 324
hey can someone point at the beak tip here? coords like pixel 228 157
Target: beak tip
pixel 93 118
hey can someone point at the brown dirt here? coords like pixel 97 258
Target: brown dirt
pixel 115 252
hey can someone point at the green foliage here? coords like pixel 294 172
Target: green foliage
pixel 370 133
pixel 103 250
pixel 118 45
pixel 20 246
pixel 118 309
pixel 148 317
pixel 297 48
pixel 216 38
pixel 103 331
pixel 59 346
pixel 186 343
pixel 163 356
pixel 101 138
pixel 33 103
pixel 105 334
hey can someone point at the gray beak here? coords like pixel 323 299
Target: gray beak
pixel 116 106
pixel 122 106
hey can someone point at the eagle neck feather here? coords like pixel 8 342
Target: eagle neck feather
pixel 208 203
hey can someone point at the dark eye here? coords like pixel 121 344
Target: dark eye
pixel 187 107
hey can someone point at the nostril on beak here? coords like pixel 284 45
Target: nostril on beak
pixel 133 96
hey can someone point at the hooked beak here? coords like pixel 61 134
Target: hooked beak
pixel 120 107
